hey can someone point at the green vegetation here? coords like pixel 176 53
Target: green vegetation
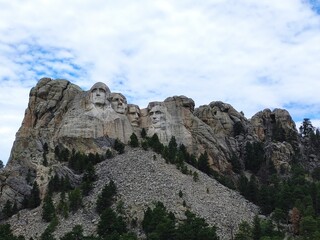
pixel 160 224
pixel 48 210
pixel 119 146
pixel 75 199
pixel 259 230
pixel 254 157
pixel 134 142
pixel 33 200
pixel 9 209
pixel 106 198
pixel 6 233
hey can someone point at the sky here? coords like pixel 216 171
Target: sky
pixel 251 54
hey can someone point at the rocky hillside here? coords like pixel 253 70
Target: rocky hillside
pixel 142 180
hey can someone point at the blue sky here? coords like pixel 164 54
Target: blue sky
pixel 251 54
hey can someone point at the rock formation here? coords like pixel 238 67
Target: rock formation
pixel 60 114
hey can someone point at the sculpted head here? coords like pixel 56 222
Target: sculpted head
pixel 133 114
pixel 157 115
pixel 99 94
pixel 118 102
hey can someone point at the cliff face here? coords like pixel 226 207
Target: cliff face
pixel 60 114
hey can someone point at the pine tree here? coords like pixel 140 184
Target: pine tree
pixel 6 233
pixel 118 146
pixel 306 128
pixel 143 133
pixel 236 166
pixel 256 230
pixel 203 163
pixel 48 210
pixel 109 154
pixel 110 224
pixel 172 149
pixel 244 232
pixel 134 142
pixel 34 199
pixel 75 200
pixel 7 209
pixel 75 234
pixel 88 178
pixel 105 199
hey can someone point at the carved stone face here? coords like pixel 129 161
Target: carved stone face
pixel 99 94
pixel 119 103
pixel 134 115
pixel 157 116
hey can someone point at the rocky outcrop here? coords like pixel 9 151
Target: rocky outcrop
pixel 222 118
pixel 274 125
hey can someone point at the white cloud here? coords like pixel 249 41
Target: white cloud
pixel 252 54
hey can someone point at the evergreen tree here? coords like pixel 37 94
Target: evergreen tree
pixel 172 150
pixel 278 216
pixel 64 155
pixel 144 145
pixel 48 232
pixel 306 129
pixel 75 200
pixel 256 230
pixel 254 156
pixel 118 146
pixel 109 154
pixel 63 207
pixel 48 210
pixel 265 199
pixel 203 163
pixel 134 142
pixel 6 233
pixel 106 198
pixel 308 227
pixel 75 234
pixel 252 190
pixel 143 133
pixel 34 198
pixel 110 224
pixel 7 209
pixel 236 166
pixel 238 128
pixel 158 222
pixel 244 232
pixel 87 180
pixel 194 228
pixel 155 143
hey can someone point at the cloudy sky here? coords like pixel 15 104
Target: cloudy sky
pixel 253 54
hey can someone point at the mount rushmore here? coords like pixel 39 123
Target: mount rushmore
pixel 61 114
